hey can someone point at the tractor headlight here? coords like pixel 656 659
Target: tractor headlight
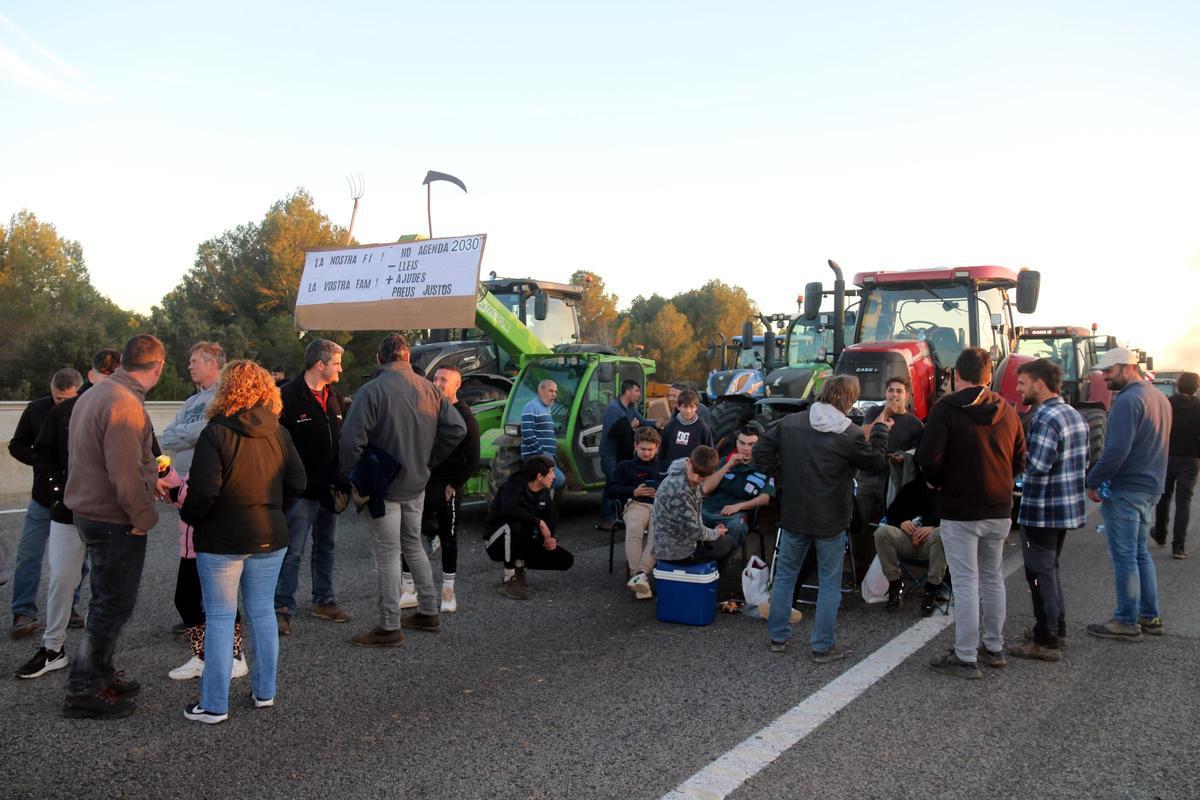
pixel 512 430
pixel 739 383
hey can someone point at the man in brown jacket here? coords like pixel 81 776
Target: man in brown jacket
pixel 111 486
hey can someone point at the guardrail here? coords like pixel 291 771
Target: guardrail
pixel 16 478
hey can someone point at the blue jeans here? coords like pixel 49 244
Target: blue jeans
pixel 831 554
pixel 220 576
pixel 1127 521
pixel 117 557
pixel 736 524
pixel 560 479
pixel 304 515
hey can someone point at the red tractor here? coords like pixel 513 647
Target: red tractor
pixel 915 323
pixel 1076 349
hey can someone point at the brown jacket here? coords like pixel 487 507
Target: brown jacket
pixel 112 473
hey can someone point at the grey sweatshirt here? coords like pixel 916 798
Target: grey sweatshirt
pixel 180 437
pixel 676 517
pixel 401 413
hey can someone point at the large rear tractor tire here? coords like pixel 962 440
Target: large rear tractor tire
pixel 727 417
pixel 504 465
pixel 1097 422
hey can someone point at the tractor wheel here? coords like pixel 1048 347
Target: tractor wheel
pixel 504 465
pixel 475 392
pixel 1097 422
pixel 727 417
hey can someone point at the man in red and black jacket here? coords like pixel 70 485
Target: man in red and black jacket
pixel 312 413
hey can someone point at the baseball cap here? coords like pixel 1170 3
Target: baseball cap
pixel 1117 355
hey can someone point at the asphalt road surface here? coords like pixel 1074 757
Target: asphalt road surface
pixel 581 693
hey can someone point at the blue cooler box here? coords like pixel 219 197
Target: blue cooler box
pixel 686 594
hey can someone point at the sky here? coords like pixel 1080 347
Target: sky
pixel 659 145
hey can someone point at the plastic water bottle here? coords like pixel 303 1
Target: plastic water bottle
pixel 1106 490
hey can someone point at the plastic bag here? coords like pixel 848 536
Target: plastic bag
pixel 756 580
pixel 875 584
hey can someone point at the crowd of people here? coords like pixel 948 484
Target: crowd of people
pixel 258 468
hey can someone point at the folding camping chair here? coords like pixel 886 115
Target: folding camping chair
pixel 914 583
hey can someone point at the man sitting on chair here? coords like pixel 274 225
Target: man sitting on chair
pixel 910 531
pixel 737 488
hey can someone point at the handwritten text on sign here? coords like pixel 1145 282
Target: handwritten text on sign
pixel 419 284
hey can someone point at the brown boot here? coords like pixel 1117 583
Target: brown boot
pixel 1035 651
pixel 421 622
pixel 378 637
pixel 514 589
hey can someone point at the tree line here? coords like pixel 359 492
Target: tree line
pixel 241 291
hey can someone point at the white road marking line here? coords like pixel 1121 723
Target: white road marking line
pixel 722 777
pixel 12 511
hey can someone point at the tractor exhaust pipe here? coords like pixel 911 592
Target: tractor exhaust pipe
pixel 839 310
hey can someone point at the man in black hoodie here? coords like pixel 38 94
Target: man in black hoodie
pixel 1183 463
pixel 312 413
pixel 972 451
pixel 520 530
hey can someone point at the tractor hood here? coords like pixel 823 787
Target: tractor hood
pixel 790 382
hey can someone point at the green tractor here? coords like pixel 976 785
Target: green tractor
pixel 794 379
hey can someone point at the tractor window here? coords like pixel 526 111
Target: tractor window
pixel 1060 351
pixel 566 372
pixel 560 325
pixel 936 315
pixel 806 340
pixel 752 358
pixel 991 304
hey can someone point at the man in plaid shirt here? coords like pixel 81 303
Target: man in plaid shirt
pixel 1051 501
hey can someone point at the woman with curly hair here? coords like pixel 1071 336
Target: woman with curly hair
pixel 245 472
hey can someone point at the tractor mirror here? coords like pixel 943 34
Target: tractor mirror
pixel 605 372
pixel 1110 342
pixel 540 304
pixel 812 300
pixel 1150 363
pixel 747 336
pixel 1029 284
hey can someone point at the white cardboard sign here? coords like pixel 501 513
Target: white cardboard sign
pixel 430 283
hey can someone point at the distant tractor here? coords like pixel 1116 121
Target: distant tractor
pixel 489 365
pixel 1074 348
pixel 732 389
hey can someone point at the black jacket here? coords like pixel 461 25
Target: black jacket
pixel 1185 426
pixel 679 440
pixel 50 462
pixel 519 508
pixel 914 499
pixel 463 462
pixel 814 471
pixel 631 474
pixel 972 450
pixel 315 433
pixel 20 446
pixel 245 473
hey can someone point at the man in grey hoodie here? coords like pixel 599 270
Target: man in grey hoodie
pixel 402 414
pixel 814 454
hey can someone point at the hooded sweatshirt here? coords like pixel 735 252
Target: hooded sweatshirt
pixel 972 450
pixel 245 473
pixel 676 516
pixel 813 455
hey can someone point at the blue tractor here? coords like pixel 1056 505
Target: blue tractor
pixel 740 376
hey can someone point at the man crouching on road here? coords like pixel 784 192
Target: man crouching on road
pixel 521 528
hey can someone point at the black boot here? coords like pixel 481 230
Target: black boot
pixel 895 592
pixel 929 601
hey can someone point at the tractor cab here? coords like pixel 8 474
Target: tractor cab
pixel 1074 348
pixel 587 383
pixel 915 323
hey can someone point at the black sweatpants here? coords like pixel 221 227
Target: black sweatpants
pixel 442 518
pixel 1181 482
pixel 509 547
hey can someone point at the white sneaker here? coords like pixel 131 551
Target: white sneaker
pixel 240 668
pixel 408 596
pixel 639 584
pixel 449 601
pixel 193 668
